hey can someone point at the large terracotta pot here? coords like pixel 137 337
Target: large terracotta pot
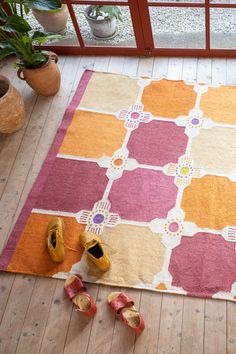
pixel 53 22
pixel 44 80
pixel 101 29
pixel 12 108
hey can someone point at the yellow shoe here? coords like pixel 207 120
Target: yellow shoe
pixel 95 251
pixel 55 240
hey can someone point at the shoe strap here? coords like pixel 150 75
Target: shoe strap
pixel 121 301
pixel 93 308
pixel 70 248
pixel 134 329
pixel 89 297
pixel 74 288
pixel 91 243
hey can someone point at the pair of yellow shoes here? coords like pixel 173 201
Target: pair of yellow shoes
pixel 91 243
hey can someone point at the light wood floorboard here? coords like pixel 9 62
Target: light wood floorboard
pixel 34 314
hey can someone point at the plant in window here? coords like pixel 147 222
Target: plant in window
pixel 53 19
pixel 102 12
pixel 102 20
pixel 24 6
pixel 51 14
pixel 36 66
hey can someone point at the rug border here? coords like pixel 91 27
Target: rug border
pixel 15 235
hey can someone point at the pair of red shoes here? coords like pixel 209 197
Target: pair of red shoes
pixel 118 301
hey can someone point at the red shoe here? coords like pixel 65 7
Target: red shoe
pixel 124 307
pixel 75 291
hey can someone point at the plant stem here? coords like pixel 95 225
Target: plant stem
pixel 98 11
pixel 3 34
pixel 21 9
pixel 14 7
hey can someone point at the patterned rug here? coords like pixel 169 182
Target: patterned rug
pixel 150 165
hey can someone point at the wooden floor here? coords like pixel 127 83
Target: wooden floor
pixel 34 315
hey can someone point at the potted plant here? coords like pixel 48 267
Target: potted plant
pixel 102 20
pixel 36 66
pixel 12 109
pixel 52 16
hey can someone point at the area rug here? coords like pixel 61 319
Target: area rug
pixel 150 166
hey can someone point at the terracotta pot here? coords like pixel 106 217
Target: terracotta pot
pixel 12 108
pixel 101 28
pixel 53 22
pixel 44 80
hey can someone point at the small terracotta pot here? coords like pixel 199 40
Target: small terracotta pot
pixel 53 22
pixel 12 108
pixel 44 80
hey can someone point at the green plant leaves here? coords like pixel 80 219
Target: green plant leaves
pixel 16 23
pixel 38 34
pixel 6 44
pixel 22 46
pixel 111 11
pixel 43 5
pixel 41 37
pixel 3 14
pixel 26 40
pixel 15 35
pixel 5 52
pixel 19 48
pixel 26 9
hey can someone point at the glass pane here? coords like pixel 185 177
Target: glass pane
pixel 223 28
pixel 223 1
pixel 105 32
pixel 74 1
pixel 54 22
pixel 179 1
pixel 176 27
